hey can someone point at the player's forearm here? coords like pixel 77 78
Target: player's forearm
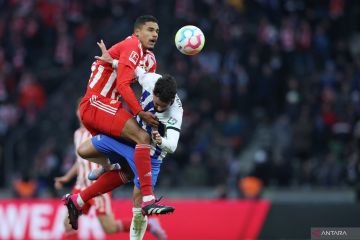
pixel 72 171
pixel 170 142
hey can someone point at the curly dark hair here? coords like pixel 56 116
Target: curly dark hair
pixel 144 19
pixel 165 88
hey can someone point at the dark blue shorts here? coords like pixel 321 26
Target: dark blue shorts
pixel 113 149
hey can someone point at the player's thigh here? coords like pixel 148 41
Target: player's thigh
pixel 87 150
pixel 133 132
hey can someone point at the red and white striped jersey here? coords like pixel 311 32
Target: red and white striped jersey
pixel 104 79
pixel 84 166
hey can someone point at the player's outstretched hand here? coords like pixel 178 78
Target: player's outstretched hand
pixel 149 118
pixel 105 56
pixel 59 182
pixel 155 135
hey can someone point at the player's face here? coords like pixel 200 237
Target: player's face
pixel 148 34
pixel 159 105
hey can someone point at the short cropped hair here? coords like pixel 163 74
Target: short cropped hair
pixel 140 21
pixel 166 88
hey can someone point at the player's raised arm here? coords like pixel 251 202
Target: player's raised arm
pixel 105 55
pixel 128 60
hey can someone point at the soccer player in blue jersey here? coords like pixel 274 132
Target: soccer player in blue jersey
pixel 159 97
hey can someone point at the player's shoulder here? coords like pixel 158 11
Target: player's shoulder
pixel 177 107
pixel 148 80
pixel 132 41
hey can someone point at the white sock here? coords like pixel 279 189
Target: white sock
pixel 148 198
pixel 138 225
pixel 80 201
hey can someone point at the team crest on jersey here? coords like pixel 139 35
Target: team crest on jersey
pixel 172 121
pixel 113 101
pixel 134 57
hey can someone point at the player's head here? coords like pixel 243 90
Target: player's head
pixel 164 93
pixel 146 28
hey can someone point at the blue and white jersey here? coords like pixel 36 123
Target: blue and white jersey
pixel 169 119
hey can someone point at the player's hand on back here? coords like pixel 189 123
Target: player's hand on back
pixel 149 118
pixel 105 56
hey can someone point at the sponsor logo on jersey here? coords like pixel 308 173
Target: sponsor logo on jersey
pixel 134 57
pixel 172 121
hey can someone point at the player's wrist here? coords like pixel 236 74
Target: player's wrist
pixel 140 113
pixel 115 63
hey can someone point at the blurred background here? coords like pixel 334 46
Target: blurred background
pixel 271 104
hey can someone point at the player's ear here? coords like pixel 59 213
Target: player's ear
pixel 136 31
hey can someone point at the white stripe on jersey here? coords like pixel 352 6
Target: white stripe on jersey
pixel 97 76
pixel 108 84
pixel 101 106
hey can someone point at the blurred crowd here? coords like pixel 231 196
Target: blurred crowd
pixel 274 97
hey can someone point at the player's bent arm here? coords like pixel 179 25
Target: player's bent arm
pixel 170 142
pixel 60 181
pixel 72 171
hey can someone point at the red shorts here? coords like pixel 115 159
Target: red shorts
pixel 101 203
pixel 103 115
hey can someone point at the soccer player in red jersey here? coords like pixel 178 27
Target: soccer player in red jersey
pixel 101 112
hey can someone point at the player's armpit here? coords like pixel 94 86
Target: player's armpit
pixel 125 76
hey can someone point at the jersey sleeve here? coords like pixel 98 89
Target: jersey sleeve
pixel 173 126
pixel 128 60
pixel 175 119
pixel 146 80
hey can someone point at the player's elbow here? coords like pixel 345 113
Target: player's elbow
pixel 171 148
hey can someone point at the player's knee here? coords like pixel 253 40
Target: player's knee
pixel 82 151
